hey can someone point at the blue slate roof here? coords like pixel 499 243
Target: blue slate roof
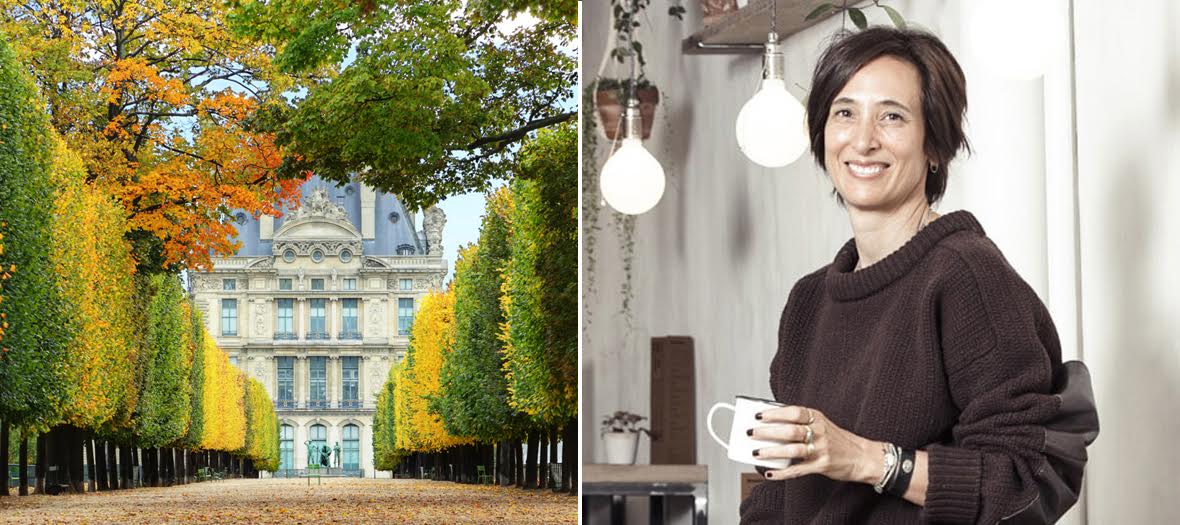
pixel 388 235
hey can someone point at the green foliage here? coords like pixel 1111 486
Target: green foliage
pixel 33 337
pixel 196 381
pixel 436 99
pixel 386 455
pixel 262 428
pixel 94 270
pixel 163 411
pixel 474 401
pixel 541 280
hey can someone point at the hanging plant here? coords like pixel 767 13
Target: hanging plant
pixel 590 207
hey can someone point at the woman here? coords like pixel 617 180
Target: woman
pixel 918 365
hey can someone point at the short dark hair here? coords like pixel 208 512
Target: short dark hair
pixel 944 91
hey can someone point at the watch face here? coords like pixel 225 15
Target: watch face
pixel 907 466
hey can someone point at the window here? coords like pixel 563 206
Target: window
pixel 349 373
pixel 405 249
pixel 349 318
pixel 345 256
pixel 233 360
pixel 405 315
pixel 286 328
pixel 229 284
pixel 317 256
pixel 286 393
pixel 394 217
pixel 317 284
pixel 340 200
pixel 318 328
pixel 289 256
pixel 351 458
pixel 318 379
pixel 405 284
pixel 286 447
pixel 350 284
pixel 285 284
pixel 318 435
pixel 229 317
pixel 240 218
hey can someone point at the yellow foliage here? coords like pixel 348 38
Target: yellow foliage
pixel 431 338
pixel 94 272
pixel 224 406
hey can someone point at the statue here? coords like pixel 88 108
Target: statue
pixel 311 453
pixel 337 450
pixel 318 205
pixel 433 220
pixel 325 454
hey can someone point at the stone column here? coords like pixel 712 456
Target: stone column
pixel 332 383
pixel 301 373
pixel 333 309
pixel 299 323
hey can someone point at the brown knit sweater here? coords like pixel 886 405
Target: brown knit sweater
pixel 940 346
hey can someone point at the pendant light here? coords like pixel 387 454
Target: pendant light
pixel 770 127
pixel 632 180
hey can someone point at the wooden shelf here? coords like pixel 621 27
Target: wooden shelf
pixel 744 31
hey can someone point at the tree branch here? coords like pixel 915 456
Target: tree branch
pixel 519 133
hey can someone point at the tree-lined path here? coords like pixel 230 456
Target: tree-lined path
pixel 341 500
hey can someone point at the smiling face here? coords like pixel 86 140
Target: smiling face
pixel 874 138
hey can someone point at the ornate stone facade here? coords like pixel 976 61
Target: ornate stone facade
pixel 320 335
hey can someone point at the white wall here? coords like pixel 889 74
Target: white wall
pixel 1096 238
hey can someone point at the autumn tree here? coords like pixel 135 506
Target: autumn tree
pixel 262 428
pixel 540 287
pixel 163 411
pixel 157 97
pixel 420 99
pixel 386 455
pixel 431 338
pixel 224 404
pixel 34 345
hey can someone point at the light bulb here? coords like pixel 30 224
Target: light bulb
pixel 1018 47
pixel 770 128
pixel 632 180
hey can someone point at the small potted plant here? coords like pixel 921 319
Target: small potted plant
pixel 610 94
pixel 620 436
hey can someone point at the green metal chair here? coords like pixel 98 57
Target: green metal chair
pixel 484 477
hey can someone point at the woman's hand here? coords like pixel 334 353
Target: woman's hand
pixel 831 451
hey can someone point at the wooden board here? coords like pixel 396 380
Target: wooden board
pixel 673 401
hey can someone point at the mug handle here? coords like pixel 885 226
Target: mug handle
pixel 709 422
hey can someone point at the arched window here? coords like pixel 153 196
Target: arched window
pixel 286 447
pixel 405 249
pixel 319 437
pixel 351 458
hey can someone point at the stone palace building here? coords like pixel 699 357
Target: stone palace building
pixel 317 305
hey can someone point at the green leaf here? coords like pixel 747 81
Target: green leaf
pixel 819 10
pixel 894 16
pixel 858 18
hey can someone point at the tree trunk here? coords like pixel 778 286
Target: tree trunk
pixel 554 437
pixel 100 466
pixel 4 457
pixel 530 462
pixel 91 464
pixel 42 463
pixel 23 463
pixel 76 451
pixel 543 460
pixel 569 457
pixel 518 463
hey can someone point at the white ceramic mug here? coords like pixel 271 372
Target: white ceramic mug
pixel 740 446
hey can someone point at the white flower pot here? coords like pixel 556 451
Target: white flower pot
pixel 621 447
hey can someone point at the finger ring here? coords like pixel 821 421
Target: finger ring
pixel 810 450
pixel 810 434
pixel 810 417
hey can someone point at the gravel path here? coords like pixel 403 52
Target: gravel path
pixel 256 501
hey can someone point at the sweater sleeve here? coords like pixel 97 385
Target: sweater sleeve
pixel 764 505
pixel 999 349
